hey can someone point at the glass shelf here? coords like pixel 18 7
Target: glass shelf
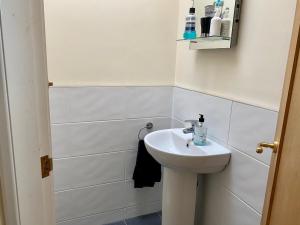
pixel 212 38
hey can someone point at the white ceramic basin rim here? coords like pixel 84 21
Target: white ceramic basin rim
pixel 169 147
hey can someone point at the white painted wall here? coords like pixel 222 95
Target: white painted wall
pixel 133 43
pixel 253 71
pixel 103 42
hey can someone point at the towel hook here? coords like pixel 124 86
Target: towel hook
pixel 148 126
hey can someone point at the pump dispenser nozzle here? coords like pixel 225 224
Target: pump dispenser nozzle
pixel 201 118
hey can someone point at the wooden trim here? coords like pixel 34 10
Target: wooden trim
pixel 2 219
pixel 283 115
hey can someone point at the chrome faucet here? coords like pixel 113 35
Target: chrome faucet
pixel 190 129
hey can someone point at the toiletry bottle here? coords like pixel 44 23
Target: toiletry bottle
pixel 205 21
pixel 219 4
pixel 190 26
pixel 200 132
pixel 226 22
pixel 216 22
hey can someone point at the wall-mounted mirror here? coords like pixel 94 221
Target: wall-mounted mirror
pixel 216 24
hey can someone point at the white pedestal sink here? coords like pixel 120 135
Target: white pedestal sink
pixel 182 161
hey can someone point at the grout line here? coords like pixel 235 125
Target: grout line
pixel 121 181
pixel 249 156
pixel 133 149
pixel 113 120
pixel 240 199
pixel 231 99
pixel 110 86
pixel 229 127
pixel 89 187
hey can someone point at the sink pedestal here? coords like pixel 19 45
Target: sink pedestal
pixel 182 163
pixel 179 197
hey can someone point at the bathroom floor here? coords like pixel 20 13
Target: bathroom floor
pixel 151 219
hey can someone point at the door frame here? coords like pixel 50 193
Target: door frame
pixel 24 116
pixel 7 165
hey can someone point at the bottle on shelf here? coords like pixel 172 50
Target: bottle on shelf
pixel 226 24
pixel 190 26
pixel 216 23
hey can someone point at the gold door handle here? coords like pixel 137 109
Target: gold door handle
pixel 262 145
pixel 50 84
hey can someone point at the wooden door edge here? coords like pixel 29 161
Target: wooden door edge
pixel 283 114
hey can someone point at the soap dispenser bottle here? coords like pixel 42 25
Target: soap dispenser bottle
pixel 200 132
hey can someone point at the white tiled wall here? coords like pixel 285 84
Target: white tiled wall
pixel 235 196
pixel 94 132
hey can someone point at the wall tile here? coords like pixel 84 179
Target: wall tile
pixel 224 207
pixel 99 137
pixel 140 196
pixel 177 124
pixel 247 178
pixel 59 109
pixel 242 176
pixel 87 104
pixel 249 126
pixel 83 104
pixel 130 160
pixel 235 212
pixel 230 194
pixel 92 138
pixel 88 170
pixel 97 219
pixel 86 201
pixel 188 104
pixel 149 102
pixel 161 123
pixel 142 209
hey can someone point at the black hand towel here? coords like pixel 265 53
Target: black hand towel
pixel 147 170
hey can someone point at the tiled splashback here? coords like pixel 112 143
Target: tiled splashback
pixel 188 105
pixel 236 195
pixel 94 133
pixel 87 104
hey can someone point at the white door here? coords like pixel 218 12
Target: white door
pixel 24 114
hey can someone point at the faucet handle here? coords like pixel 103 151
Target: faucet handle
pixel 192 122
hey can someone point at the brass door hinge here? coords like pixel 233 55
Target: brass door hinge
pixel 46 166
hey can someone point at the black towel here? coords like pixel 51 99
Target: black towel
pixel 147 170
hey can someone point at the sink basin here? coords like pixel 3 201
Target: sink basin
pixel 182 162
pixel 169 147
